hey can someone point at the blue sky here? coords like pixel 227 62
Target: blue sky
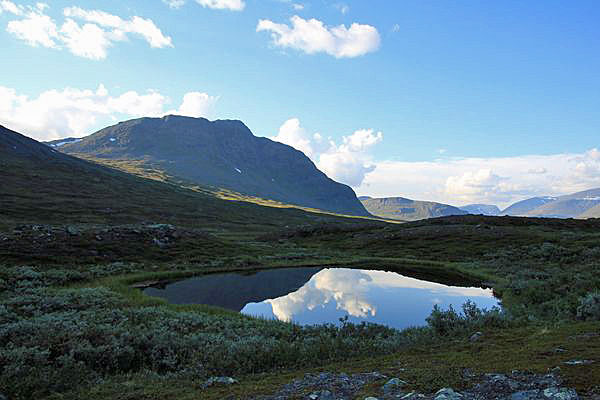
pixel 455 94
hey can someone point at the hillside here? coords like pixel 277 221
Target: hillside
pixel 223 154
pixel 42 185
pixel 567 206
pixel 524 207
pixel 408 210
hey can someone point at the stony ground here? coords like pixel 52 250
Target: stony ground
pixel 517 385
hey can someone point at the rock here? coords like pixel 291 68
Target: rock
pixel 560 394
pixel 476 336
pixel 223 380
pixel 159 243
pixel 71 230
pixel 525 395
pixel 447 394
pixel 393 385
pixel 322 395
pixel 578 362
pixel 366 398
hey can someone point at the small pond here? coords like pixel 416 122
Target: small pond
pixel 324 295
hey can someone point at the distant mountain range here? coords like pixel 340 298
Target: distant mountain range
pixel 481 209
pixel 583 204
pixel 403 209
pixel 223 154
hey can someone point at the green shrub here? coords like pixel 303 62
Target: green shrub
pixel 589 307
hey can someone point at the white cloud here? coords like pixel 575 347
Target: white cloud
pixel 499 180
pixel 347 163
pixel 35 29
pixel 174 3
pixel 11 7
pixel 196 104
pixel 343 8
pixel 298 6
pixel 91 39
pixel 396 28
pixel 73 112
pixel 119 27
pixel 233 5
pixel 312 36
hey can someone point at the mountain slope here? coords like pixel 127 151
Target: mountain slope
pixel 567 206
pixel 223 154
pixel 523 207
pixel 42 185
pixel 593 212
pixel 481 209
pixel 408 210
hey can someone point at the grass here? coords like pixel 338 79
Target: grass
pixel 80 285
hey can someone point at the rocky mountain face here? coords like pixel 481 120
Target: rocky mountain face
pixel 481 209
pixel 222 154
pixel 583 204
pixel 404 209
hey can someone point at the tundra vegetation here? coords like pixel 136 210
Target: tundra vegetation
pixel 70 329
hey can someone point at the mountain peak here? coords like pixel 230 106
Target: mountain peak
pixel 224 154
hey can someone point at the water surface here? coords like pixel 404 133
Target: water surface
pixel 314 295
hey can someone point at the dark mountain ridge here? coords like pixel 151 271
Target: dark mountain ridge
pixel 225 154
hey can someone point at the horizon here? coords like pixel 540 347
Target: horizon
pixel 457 104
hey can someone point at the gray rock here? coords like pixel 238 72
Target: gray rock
pixel 371 398
pixel 322 395
pixel 71 230
pixel 223 380
pixel 525 395
pixel 393 385
pixel 476 336
pixel 560 394
pixel 578 362
pixel 447 394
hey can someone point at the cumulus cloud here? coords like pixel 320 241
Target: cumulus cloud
pixel 13 8
pixel 500 180
pixel 233 5
pixel 312 36
pixel 86 33
pixel 55 113
pixel 347 163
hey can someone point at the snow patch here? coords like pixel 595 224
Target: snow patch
pixel 65 142
pixel 590 198
pixel 112 139
pixel 238 170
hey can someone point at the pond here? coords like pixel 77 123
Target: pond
pixel 310 296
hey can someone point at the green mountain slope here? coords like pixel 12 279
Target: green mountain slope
pixel 408 210
pixel 222 154
pixel 42 185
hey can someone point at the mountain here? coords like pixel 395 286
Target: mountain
pixel 408 210
pixel 523 207
pixel 574 205
pixel 40 185
pixel 223 154
pixel 481 209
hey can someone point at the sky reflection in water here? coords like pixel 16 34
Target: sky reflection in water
pixel 372 296
pixel 314 296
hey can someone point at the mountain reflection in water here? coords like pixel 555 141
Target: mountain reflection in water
pixel 314 295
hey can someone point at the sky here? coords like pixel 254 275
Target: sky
pixel 458 102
